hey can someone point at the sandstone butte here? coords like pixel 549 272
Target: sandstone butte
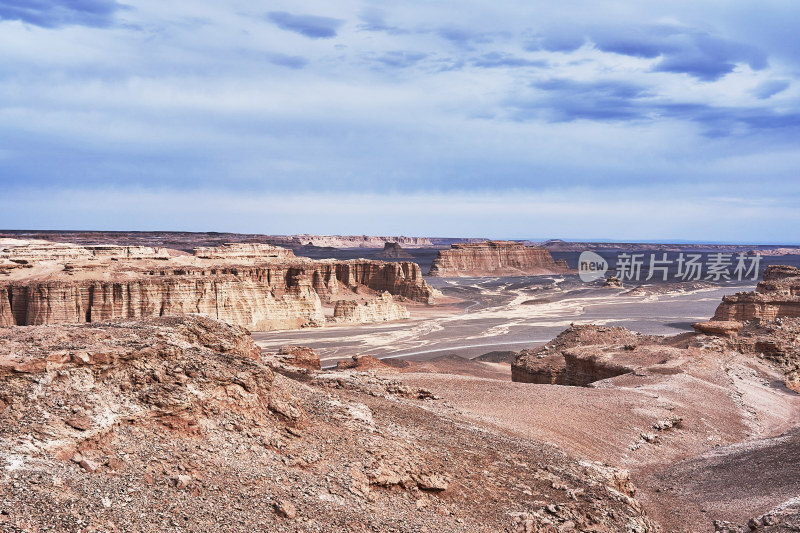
pixel 495 258
pixel 392 250
pixel 778 295
pixel 259 287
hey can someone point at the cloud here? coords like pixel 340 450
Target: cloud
pixel 462 37
pixel 770 88
pixel 309 25
pixel 719 121
pixel 556 40
pixel 498 59
pixel 58 13
pixel 566 100
pixel 401 59
pixel 283 60
pixel 375 22
pixel 681 49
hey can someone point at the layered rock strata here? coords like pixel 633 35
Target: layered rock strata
pixel 259 293
pixel 351 241
pixel 381 309
pixel 581 355
pixel 495 258
pixel 34 250
pixel 778 295
pixel 247 303
pixel 239 250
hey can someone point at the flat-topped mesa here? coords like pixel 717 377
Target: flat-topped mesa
pixel 777 296
pixel 285 295
pixel 247 303
pixel 349 241
pixel 36 251
pixel 495 258
pixel 381 309
pixel 241 250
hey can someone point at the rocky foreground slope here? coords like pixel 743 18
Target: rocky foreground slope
pixel 495 258
pixel 178 424
pixel 260 287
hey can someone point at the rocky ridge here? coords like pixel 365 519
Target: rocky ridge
pixel 495 258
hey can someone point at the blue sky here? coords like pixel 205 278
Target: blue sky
pixel 575 119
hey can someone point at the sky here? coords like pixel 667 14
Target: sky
pixel 622 120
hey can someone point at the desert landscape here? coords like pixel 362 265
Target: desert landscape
pixel 151 388
pixel 399 267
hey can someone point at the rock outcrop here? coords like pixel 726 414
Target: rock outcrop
pixel 299 356
pixel 393 250
pixel 495 258
pixel 381 309
pixel 580 356
pixel 241 250
pixel 718 327
pixel 778 295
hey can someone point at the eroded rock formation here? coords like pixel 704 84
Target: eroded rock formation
pixel 381 309
pixel 237 284
pixel 35 250
pixel 576 357
pixel 241 250
pixel 299 356
pixel 393 250
pixel 778 295
pixel 244 302
pixel 495 258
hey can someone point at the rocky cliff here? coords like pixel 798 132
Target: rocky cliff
pixel 778 295
pixel 353 241
pixel 243 250
pixel 36 250
pixel 381 309
pixel 258 297
pixel 237 301
pixel 495 258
